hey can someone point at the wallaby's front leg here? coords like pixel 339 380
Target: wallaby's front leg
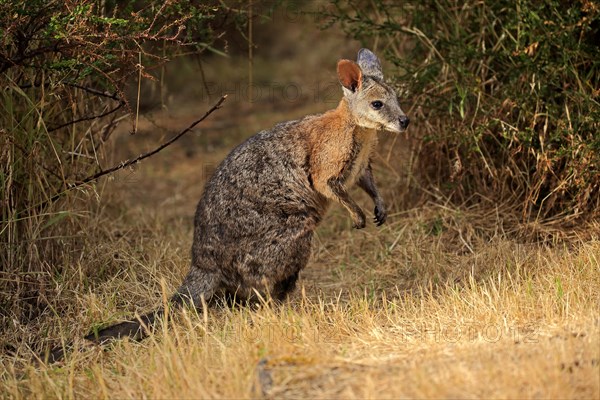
pixel 367 183
pixel 336 187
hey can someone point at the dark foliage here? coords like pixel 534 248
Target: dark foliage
pixel 506 93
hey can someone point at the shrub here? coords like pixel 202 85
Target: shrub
pixel 506 95
pixel 65 67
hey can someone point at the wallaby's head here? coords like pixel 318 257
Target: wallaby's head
pixel 373 104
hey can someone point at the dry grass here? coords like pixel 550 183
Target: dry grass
pixel 440 302
pixel 505 322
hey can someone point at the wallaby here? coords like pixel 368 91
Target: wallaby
pixel 255 221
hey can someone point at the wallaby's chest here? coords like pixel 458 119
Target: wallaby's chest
pixel 364 142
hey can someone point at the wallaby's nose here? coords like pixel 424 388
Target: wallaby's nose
pixel 404 121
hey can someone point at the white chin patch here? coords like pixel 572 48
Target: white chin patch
pixel 392 128
pixel 371 125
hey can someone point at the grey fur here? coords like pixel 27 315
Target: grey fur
pixel 369 63
pixel 254 224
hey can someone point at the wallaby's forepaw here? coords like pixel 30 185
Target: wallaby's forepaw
pixel 359 221
pixel 380 214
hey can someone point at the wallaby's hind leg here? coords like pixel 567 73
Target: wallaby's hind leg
pixel 251 296
pixel 283 288
pixel 198 284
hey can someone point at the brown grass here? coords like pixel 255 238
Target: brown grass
pixel 443 301
pixel 508 321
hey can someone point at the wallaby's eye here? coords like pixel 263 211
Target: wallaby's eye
pixel 376 105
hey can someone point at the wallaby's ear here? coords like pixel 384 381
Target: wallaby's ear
pixel 349 74
pixel 369 63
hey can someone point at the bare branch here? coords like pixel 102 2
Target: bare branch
pixel 127 163
pixel 87 118
pixel 93 91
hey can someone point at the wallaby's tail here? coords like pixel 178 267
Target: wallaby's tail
pixel 136 329
pixel 196 286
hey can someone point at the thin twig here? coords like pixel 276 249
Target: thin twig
pixel 125 164
pixel 94 91
pixel 87 118
pixel 139 89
